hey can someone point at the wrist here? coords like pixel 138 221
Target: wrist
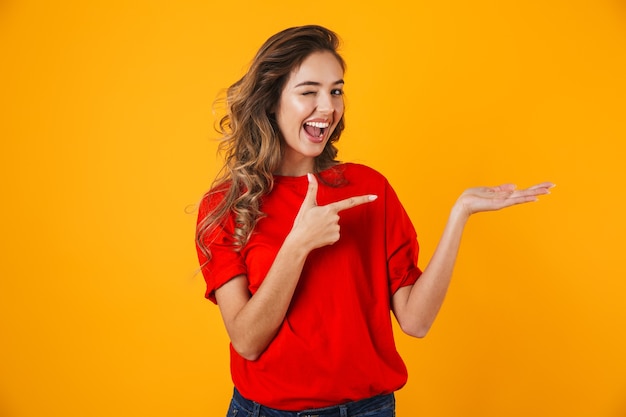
pixel 296 247
pixel 459 213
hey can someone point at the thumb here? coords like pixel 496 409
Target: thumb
pixel 310 199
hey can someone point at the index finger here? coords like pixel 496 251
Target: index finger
pixel 352 202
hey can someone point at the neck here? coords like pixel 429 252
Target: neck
pixel 296 168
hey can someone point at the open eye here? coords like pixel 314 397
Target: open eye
pixel 337 92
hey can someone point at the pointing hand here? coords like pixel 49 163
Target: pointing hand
pixel 316 226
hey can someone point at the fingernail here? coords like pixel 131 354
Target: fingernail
pixel 372 197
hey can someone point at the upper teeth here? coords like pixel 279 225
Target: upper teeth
pixel 317 124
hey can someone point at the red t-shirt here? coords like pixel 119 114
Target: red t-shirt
pixel 336 342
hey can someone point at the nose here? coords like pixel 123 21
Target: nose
pixel 325 103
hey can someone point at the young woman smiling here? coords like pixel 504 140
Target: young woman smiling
pixel 306 256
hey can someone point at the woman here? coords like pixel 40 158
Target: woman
pixel 306 256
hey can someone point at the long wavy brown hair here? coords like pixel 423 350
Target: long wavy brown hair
pixel 251 142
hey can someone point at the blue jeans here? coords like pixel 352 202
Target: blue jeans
pixel 379 406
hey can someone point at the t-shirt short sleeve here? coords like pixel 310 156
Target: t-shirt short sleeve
pixel 224 262
pixel 401 243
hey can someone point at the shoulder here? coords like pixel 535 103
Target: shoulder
pixel 360 168
pixel 363 174
pixel 365 179
pixel 213 199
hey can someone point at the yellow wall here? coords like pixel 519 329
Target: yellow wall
pixel 105 128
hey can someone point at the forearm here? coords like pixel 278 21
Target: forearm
pixel 416 307
pixel 257 319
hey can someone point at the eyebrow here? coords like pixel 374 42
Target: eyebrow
pixel 317 84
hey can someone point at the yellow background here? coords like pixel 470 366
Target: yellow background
pixel 106 135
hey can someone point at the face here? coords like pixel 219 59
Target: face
pixel 310 107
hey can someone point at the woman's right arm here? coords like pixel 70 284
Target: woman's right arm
pixel 253 320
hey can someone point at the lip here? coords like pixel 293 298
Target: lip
pixel 318 120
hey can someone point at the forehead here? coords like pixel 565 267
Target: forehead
pixel 323 67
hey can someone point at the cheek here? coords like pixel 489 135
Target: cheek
pixel 339 108
pixel 291 113
pixel 339 111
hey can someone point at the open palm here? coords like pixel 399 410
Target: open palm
pixel 474 200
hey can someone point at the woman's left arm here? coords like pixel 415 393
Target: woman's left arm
pixel 416 306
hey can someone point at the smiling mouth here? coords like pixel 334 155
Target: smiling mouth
pixel 316 129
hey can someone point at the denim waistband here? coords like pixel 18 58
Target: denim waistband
pixel 350 409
